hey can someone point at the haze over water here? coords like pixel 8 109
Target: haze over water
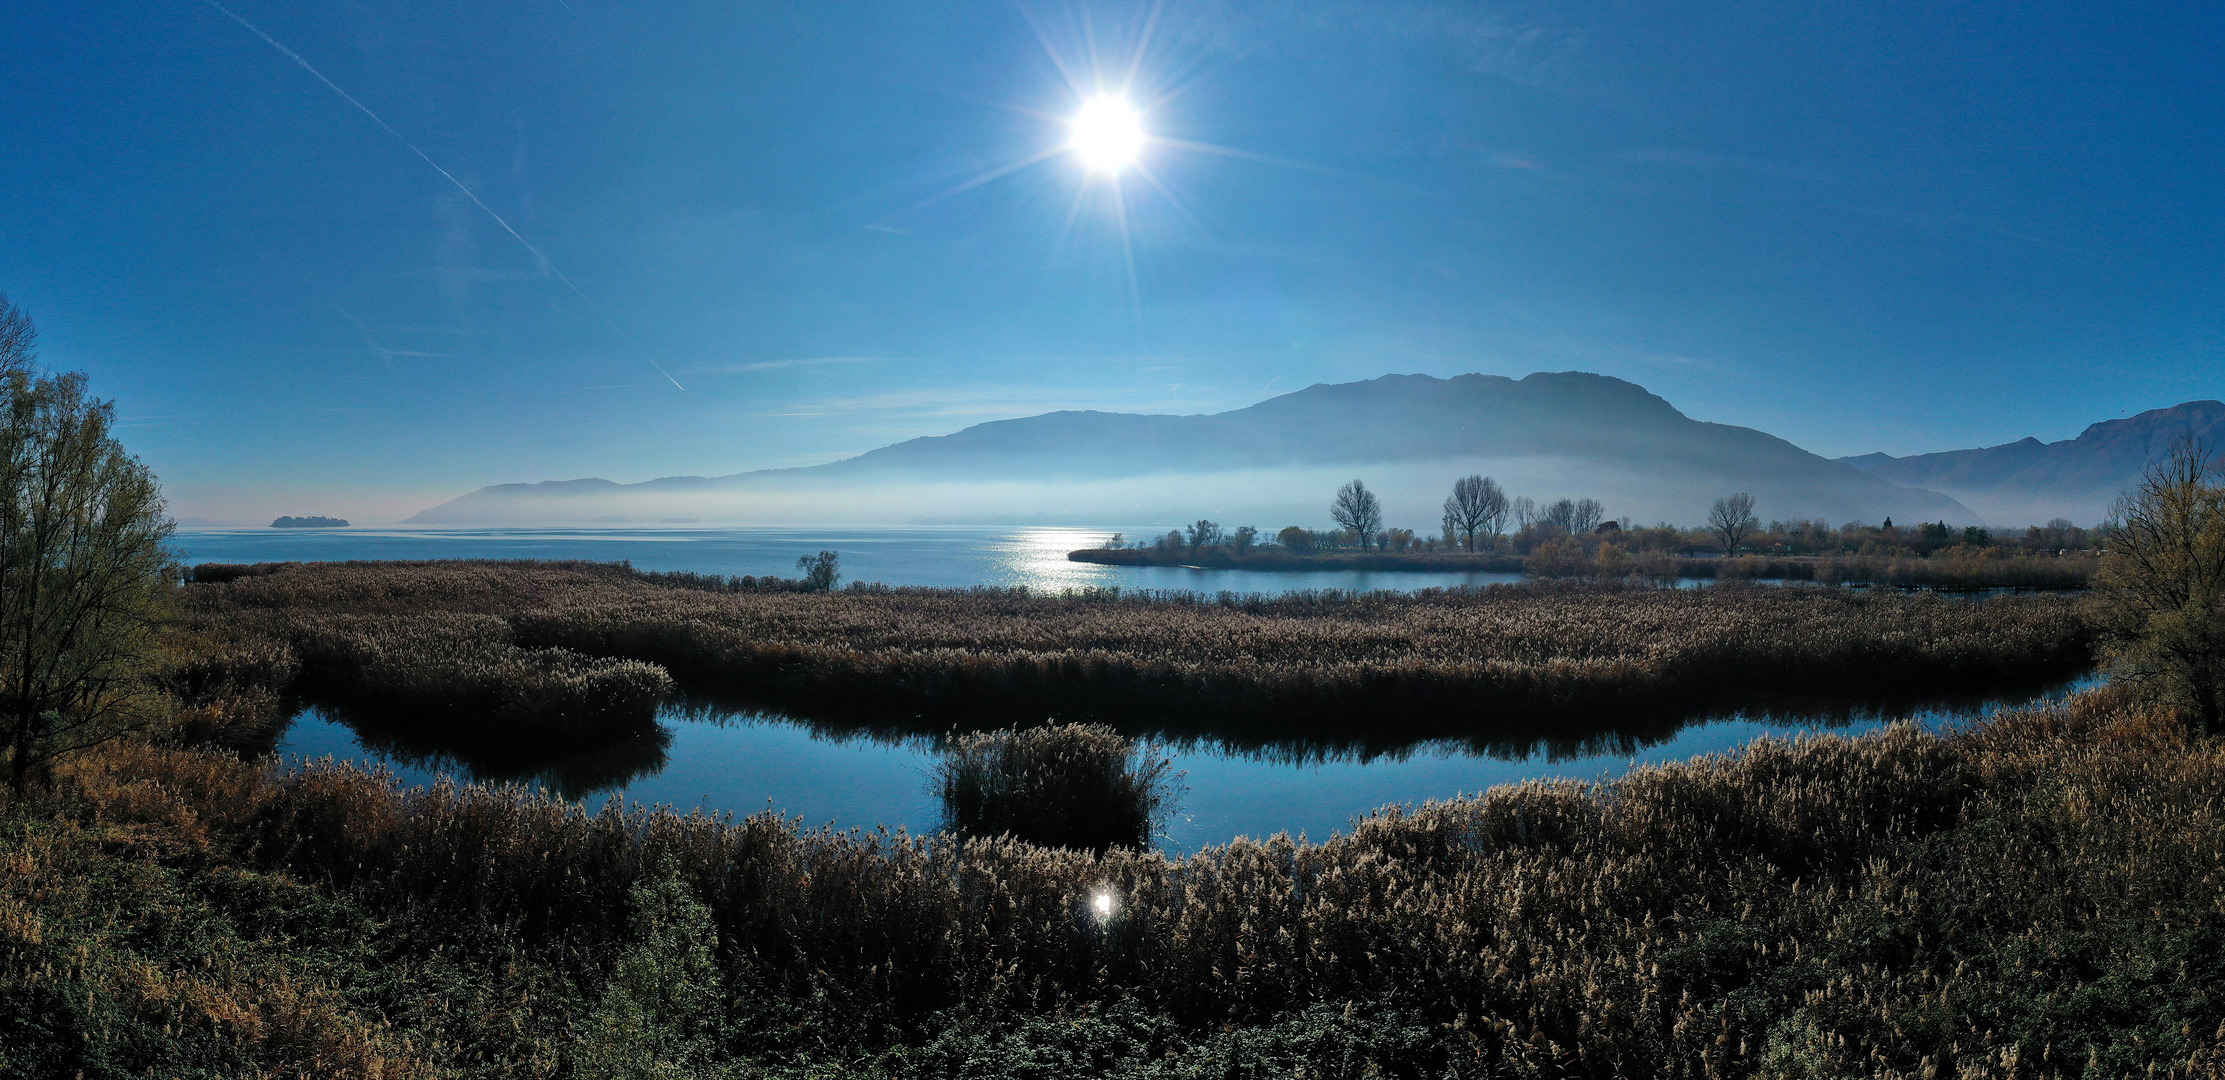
pixel 934 556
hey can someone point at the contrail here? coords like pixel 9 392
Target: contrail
pixel 450 177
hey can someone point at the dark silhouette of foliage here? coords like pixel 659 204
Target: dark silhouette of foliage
pixel 84 576
pixel 2161 586
pixel 1082 786
pixel 821 571
pixel 1204 534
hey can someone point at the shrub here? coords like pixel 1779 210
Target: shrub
pixel 1073 785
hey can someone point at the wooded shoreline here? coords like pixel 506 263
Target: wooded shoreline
pixel 1948 573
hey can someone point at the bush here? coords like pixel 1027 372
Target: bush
pixel 1073 786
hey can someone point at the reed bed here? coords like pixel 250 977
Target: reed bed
pixel 1458 661
pixel 1070 785
pixel 447 665
pixel 2035 897
pixel 431 651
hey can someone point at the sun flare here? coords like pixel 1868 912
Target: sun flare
pixel 1107 134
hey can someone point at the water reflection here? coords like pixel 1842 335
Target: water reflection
pixel 720 759
pixel 726 756
pixel 572 769
pixel 624 764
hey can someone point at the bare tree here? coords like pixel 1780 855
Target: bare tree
pixel 1357 511
pixel 1560 515
pixel 1477 506
pixel 1732 518
pixel 1586 516
pixel 1204 534
pixel 84 576
pixel 18 338
pixel 1524 509
pixel 2161 584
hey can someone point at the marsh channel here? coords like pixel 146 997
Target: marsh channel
pixel 863 774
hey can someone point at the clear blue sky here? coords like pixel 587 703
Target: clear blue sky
pixel 1896 226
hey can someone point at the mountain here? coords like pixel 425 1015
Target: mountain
pixel 2028 481
pixel 1546 435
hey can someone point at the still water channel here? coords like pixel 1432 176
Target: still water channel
pixel 744 763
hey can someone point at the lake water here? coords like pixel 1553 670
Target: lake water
pixel 750 764
pixel 746 764
pixel 951 557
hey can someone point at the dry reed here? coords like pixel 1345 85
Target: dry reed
pixel 2035 897
pixel 1466 659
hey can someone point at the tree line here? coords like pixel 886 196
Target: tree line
pixel 1480 517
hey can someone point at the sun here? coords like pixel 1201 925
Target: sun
pixel 1107 134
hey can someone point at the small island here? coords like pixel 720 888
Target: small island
pixel 311 522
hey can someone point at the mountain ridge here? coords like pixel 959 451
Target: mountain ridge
pixel 1586 433
pixel 2076 478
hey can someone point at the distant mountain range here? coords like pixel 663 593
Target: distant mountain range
pixel 2028 481
pixel 1545 435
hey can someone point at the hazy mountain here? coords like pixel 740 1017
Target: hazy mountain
pixel 2029 482
pixel 1546 435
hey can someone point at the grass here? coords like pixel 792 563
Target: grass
pixel 2037 896
pixel 568 643
pixel 1081 786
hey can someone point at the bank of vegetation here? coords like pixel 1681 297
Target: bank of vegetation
pixel 1596 558
pixel 1484 531
pixel 579 646
pixel 2035 897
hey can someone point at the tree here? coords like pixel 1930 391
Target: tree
pixel 1242 539
pixel 1477 506
pixel 84 576
pixel 2160 588
pixel 1524 509
pixel 17 337
pixel 1732 519
pixel 1931 536
pixel 1586 516
pixel 1357 511
pixel 1204 534
pixel 821 571
pixel 1295 537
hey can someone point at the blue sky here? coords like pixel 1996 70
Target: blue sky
pixel 1893 226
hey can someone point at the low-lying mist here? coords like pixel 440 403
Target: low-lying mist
pixel 1412 494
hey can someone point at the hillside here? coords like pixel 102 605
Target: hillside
pixel 1547 435
pixel 2028 481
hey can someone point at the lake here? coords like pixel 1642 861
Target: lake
pixel 940 557
pixel 744 763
